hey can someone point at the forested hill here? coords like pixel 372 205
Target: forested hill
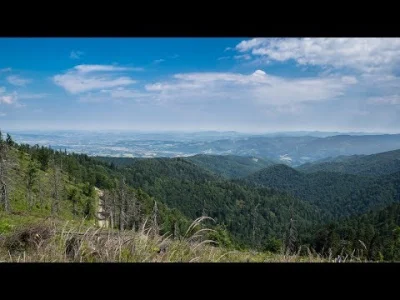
pixel 40 182
pixel 183 191
pixel 251 215
pixel 228 166
pixel 374 235
pixel 338 194
pixel 368 165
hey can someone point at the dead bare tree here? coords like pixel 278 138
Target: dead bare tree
pixel 4 165
pixel 204 213
pixel 154 219
pixel 132 210
pixel 291 235
pixel 56 188
pixel 40 191
pixel 112 209
pixel 254 215
pixel 31 179
pixel 121 203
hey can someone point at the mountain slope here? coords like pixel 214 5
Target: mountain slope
pixel 367 165
pixel 230 166
pixel 251 215
pixel 42 182
pixel 338 194
pixel 374 235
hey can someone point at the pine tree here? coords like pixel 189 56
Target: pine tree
pixel 9 140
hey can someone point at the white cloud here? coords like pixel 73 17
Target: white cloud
pixel 84 78
pixel 223 57
pixel 349 79
pixel 120 92
pixel 250 44
pixel 116 94
pixel 243 56
pixel 362 54
pixel 5 70
pixel 157 61
pixel 391 100
pixel 2 114
pixel 101 68
pixel 257 87
pixel 76 54
pixel 9 98
pixel 17 80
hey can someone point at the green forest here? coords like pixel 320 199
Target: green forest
pixel 342 207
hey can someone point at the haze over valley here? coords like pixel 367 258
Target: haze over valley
pixel 291 148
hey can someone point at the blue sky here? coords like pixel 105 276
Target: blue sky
pixel 242 84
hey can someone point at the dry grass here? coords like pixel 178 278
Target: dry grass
pixel 54 242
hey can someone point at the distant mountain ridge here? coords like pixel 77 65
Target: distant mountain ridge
pixel 367 165
pixel 293 148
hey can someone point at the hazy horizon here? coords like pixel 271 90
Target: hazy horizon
pixel 127 130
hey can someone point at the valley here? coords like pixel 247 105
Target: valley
pixel 250 203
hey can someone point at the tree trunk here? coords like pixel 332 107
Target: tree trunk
pixel 74 212
pixel 4 196
pixel 56 191
pixel 121 217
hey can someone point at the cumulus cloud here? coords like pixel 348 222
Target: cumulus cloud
pixel 5 70
pixel 361 54
pixel 84 78
pixel 258 87
pixel 76 54
pixel 17 80
pixel 2 114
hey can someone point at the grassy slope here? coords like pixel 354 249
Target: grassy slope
pixel 60 242
pixel 21 213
